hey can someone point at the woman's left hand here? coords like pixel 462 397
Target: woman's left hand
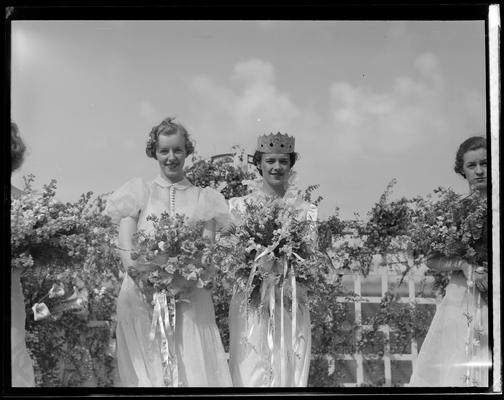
pixel 480 277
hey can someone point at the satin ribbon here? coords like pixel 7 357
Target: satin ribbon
pixel 270 292
pixel 254 269
pixel 248 290
pixel 467 344
pixel 161 318
pixel 474 327
pixel 271 336
pixel 295 341
pixel 478 322
pixel 283 361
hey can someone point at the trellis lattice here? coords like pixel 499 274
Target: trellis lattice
pixel 385 275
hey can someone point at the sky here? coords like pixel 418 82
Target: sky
pixel 367 101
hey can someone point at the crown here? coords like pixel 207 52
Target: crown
pixel 277 143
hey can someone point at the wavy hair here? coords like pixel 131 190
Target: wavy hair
pixel 167 127
pixel 18 147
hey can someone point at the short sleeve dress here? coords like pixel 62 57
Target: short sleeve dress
pixel 201 360
pixel 249 352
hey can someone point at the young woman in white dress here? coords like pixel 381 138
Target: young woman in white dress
pixel 453 354
pixel 250 353
pixel 201 360
pixel 21 363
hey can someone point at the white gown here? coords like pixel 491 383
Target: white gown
pixel 442 360
pixel 248 350
pixel 201 360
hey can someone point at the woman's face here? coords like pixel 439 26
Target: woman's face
pixel 275 168
pixel 171 154
pixel 475 169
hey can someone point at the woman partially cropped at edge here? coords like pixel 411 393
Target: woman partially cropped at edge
pixel 21 363
pixel 249 348
pixel 201 360
pixel 444 359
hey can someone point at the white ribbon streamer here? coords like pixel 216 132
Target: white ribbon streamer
pixel 294 316
pixel 161 318
pixel 282 335
pixel 269 290
pixel 271 335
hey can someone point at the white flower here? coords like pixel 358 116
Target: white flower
pixel 192 276
pixel 57 290
pixel 40 311
pixel 161 245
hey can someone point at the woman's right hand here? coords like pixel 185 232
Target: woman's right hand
pixel 445 264
pixel 142 265
pixel 180 284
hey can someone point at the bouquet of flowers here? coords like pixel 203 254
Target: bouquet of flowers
pixel 49 236
pixel 449 226
pixel 174 249
pixel 69 274
pixel 271 232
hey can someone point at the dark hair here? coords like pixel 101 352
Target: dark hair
pixel 473 143
pixel 256 159
pixel 18 147
pixel 167 127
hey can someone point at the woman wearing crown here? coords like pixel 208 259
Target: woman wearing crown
pixel 270 345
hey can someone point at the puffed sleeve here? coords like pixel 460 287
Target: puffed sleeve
pixel 126 201
pixel 212 206
pixel 236 208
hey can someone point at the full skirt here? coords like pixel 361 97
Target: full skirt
pixel 250 355
pixel 443 359
pixel 201 360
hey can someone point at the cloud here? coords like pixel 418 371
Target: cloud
pixel 361 134
pixel 250 105
pixel 254 72
pixel 360 121
pixel 371 122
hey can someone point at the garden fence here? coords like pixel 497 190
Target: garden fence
pixel 369 292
